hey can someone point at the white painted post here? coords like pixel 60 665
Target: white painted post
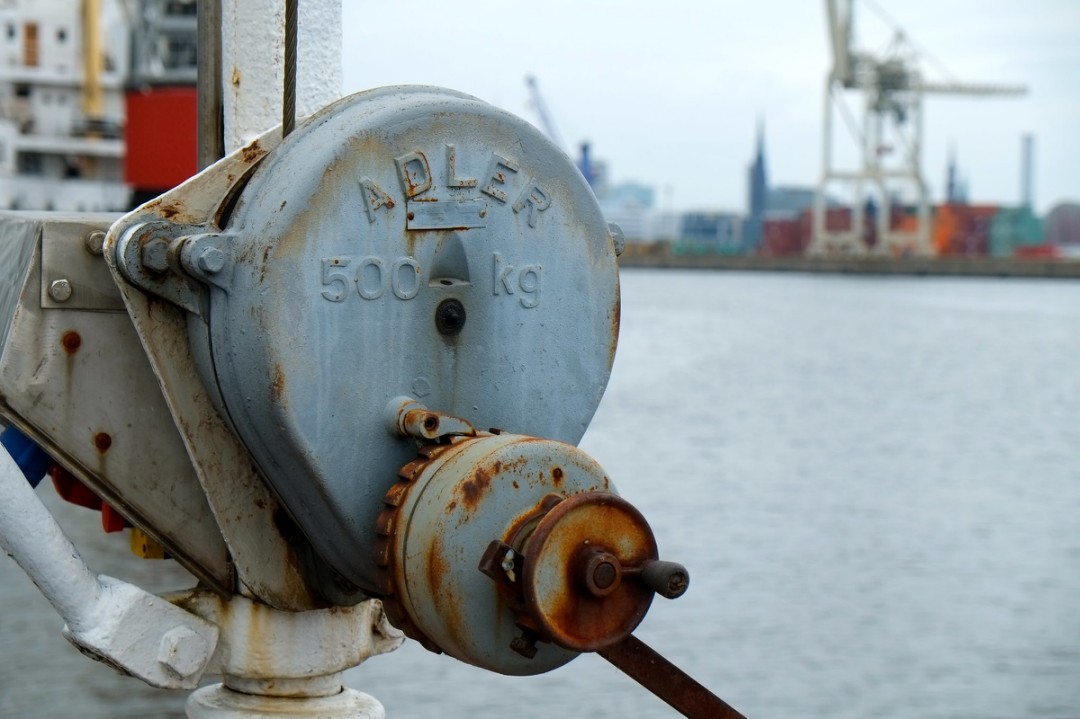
pixel 253 59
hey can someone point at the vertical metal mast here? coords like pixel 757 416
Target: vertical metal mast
pixel 211 134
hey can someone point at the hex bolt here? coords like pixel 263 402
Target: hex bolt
pixel 182 651
pixel 211 260
pixel 60 290
pixel 155 255
pixel 95 242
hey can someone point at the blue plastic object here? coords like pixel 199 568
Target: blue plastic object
pixel 32 459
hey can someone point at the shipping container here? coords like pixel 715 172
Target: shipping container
pixel 1013 229
pixel 161 139
pixel 783 237
pixel 963 230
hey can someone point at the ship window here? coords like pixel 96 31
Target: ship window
pixel 11 31
pixel 30 163
pixel 30 44
pixel 61 34
pixel 22 90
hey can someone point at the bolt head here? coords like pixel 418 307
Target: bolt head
pixel 617 238
pixel 182 651
pixel 211 260
pixel 155 255
pixel 60 290
pixel 95 242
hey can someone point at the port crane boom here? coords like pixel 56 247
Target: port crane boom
pixel 889 138
pixel 541 109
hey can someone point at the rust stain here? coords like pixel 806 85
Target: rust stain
pixel 252 152
pixel 236 77
pixel 277 385
pixel 615 325
pixel 266 256
pixel 557 476
pixel 71 341
pixel 102 441
pixel 169 211
pixel 474 489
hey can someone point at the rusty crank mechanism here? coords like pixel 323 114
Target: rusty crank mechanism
pixel 574 573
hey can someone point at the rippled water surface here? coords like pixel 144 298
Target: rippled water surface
pixel 875 483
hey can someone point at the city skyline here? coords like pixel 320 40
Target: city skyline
pixel 671 97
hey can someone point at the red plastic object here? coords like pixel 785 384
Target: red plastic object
pixel 72 490
pixel 161 137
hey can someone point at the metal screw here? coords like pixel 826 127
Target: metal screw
pixel 155 255
pixel 60 290
pixel 211 260
pixel 95 242
pixel 182 651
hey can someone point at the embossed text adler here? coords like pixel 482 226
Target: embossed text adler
pixel 501 180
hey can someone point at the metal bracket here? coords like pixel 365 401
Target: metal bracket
pixel 264 556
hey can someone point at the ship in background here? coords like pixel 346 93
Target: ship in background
pixel 97 102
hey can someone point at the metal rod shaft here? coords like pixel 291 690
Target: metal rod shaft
pixel 288 105
pixel 641 663
pixel 211 123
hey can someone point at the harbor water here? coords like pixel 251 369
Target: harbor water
pixel 875 484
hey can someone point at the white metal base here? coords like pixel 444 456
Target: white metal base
pixel 220 702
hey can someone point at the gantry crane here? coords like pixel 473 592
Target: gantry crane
pixel 889 139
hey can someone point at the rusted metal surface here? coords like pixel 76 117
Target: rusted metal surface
pixel 440 520
pixel 574 567
pixel 258 642
pixel 77 382
pixel 641 663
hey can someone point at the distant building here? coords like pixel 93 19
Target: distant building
pixel 1063 225
pixel 792 200
pixel 711 233
pixel 60 117
pixel 631 205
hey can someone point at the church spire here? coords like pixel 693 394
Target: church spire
pixel 758 176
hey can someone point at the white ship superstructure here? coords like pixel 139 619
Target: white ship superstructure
pixel 62 69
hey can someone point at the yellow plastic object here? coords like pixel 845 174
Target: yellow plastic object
pixel 143 545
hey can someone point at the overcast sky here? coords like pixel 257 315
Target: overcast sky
pixel 669 92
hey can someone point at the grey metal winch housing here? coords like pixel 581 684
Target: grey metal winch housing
pixel 404 242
